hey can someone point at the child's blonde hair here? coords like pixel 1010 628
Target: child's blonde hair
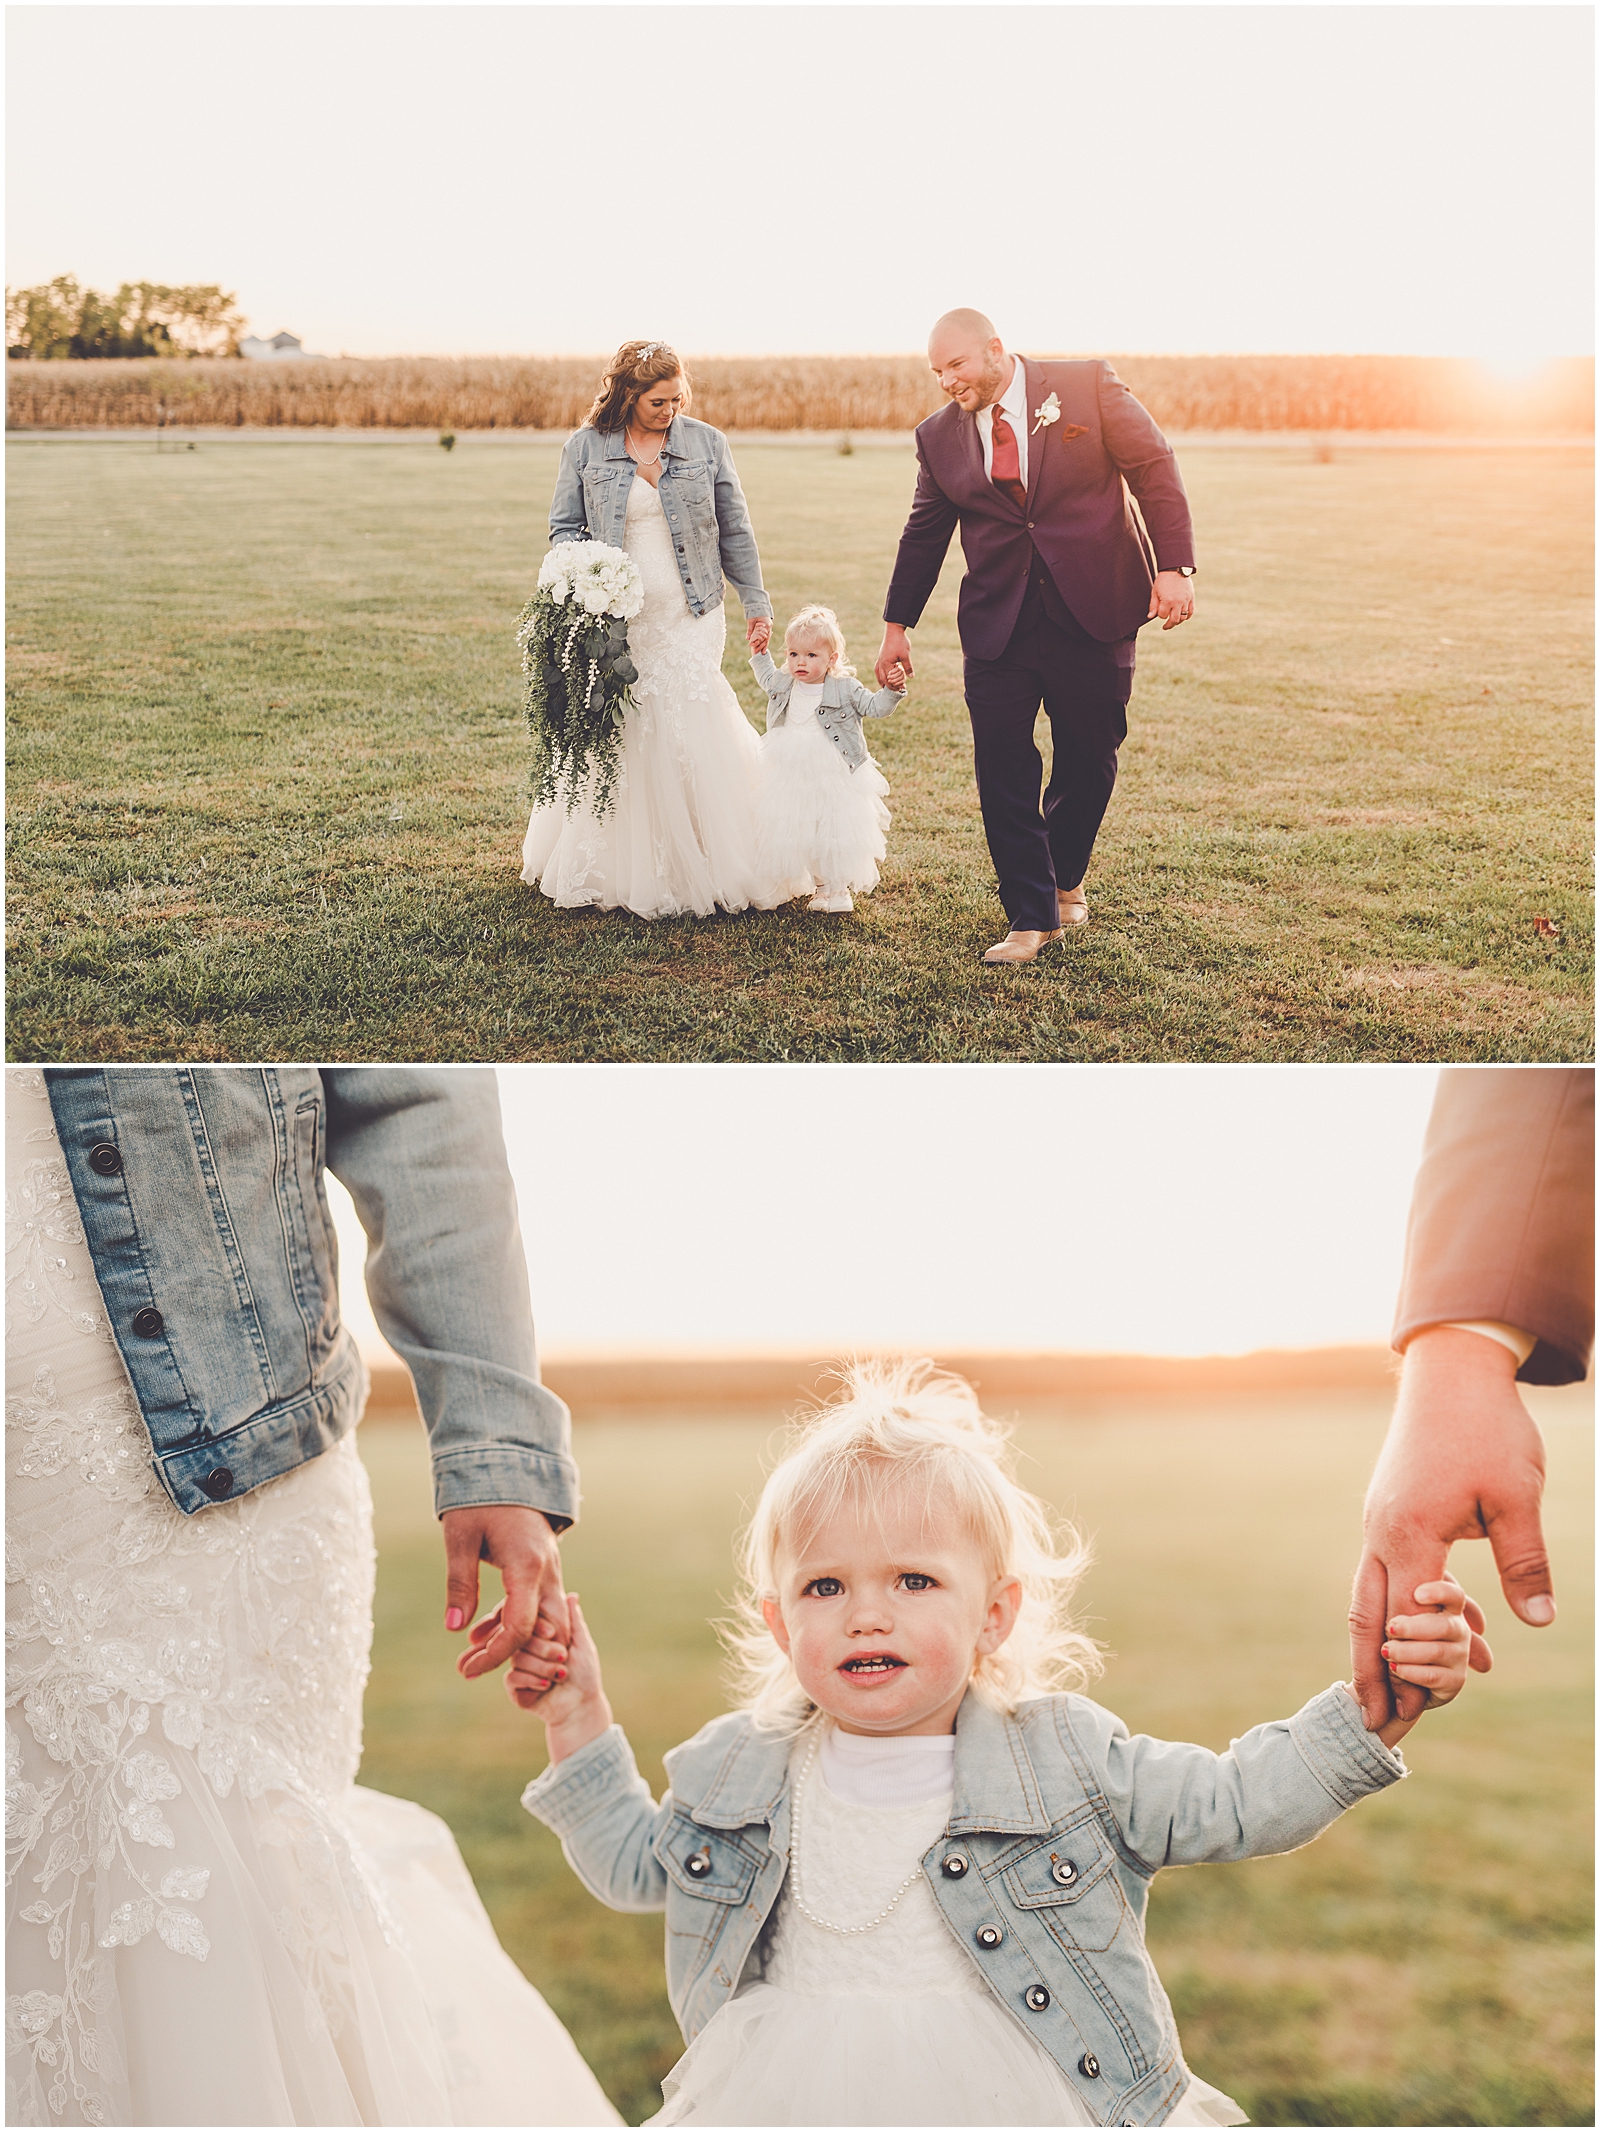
pixel 899 1422
pixel 820 624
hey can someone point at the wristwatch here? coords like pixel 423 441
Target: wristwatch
pixel 1184 569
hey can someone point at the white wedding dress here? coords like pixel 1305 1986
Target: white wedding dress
pixel 681 833
pixel 208 1921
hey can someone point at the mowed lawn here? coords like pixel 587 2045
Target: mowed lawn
pixel 1427 1962
pixel 268 774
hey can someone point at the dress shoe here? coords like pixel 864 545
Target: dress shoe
pixel 1020 947
pixel 1072 906
pixel 831 899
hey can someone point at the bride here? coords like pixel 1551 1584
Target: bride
pixel 208 1921
pixel 680 835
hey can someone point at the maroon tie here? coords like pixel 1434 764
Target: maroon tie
pixel 1005 466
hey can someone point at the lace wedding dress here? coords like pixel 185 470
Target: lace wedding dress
pixel 208 1921
pixel 681 834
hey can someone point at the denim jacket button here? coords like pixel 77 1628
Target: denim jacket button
pixel 989 1936
pixel 1089 2066
pixel 105 1159
pixel 1063 1870
pixel 148 1323
pixel 698 1864
pixel 1036 1998
pixel 954 1865
pixel 218 1482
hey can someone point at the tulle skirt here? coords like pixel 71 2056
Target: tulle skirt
pixel 775 2057
pixel 816 817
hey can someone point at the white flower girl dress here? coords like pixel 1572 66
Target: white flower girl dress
pixel 888 2026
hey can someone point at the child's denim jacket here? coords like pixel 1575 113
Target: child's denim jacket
pixel 845 702
pixel 1059 1823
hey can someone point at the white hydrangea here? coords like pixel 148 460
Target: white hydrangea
pixel 597 578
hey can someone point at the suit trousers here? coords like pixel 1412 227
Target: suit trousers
pixel 1084 686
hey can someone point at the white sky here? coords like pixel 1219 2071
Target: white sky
pixel 1157 1210
pixel 750 179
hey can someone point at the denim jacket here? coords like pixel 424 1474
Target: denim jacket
pixel 1058 1825
pixel 200 1189
pixel 845 702
pixel 700 494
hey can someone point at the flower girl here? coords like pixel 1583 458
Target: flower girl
pixel 820 812
pixel 905 1881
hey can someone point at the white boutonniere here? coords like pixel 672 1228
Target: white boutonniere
pixel 1045 415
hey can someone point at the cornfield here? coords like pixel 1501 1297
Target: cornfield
pixel 826 393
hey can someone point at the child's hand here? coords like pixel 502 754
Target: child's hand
pixel 1429 1649
pixel 896 677
pixel 758 632
pixel 563 1685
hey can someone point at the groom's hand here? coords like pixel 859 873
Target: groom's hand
pixel 521 1544
pixel 1463 1460
pixel 1171 597
pixel 895 651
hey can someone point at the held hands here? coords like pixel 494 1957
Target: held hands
pixel 562 1682
pixel 1429 1651
pixel 521 1544
pixel 1171 597
pixel 1463 1460
pixel 758 632
pixel 894 653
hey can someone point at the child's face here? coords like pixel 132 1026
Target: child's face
pixel 885 1612
pixel 808 660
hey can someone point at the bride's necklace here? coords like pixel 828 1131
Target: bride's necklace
pixel 628 447
pixel 827 1924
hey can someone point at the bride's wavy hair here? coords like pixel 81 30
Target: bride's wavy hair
pixel 906 1426
pixel 820 625
pixel 635 366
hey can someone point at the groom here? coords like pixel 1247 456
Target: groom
pixel 1075 529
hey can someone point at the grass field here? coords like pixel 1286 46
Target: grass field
pixel 268 775
pixel 1427 1962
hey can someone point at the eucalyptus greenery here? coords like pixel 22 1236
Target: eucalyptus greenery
pixel 577 673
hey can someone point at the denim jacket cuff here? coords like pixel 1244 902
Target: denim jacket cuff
pixel 1349 1762
pixel 565 1795
pixel 757 605
pixel 482 1473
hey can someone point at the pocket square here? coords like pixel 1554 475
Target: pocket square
pixel 1069 430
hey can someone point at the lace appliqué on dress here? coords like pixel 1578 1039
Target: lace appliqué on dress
pixel 152 1658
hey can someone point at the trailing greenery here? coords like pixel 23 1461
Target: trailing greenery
pixel 269 774
pixel 577 674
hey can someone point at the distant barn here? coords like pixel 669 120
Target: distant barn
pixel 280 345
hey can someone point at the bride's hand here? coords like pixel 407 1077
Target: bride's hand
pixel 571 1699
pixel 758 632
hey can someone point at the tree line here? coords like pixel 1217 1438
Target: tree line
pixel 59 319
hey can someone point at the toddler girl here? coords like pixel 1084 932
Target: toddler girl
pixel 820 812
pixel 905 1881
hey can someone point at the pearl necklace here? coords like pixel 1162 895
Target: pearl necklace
pixel 627 445
pixel 827 1924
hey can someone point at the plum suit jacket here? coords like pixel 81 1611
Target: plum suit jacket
pixel 1502 1213
pixel 1105 509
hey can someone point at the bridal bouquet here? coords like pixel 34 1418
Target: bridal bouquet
pixel 576 670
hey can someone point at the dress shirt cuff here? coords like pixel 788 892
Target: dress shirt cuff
pixel 1520 1343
